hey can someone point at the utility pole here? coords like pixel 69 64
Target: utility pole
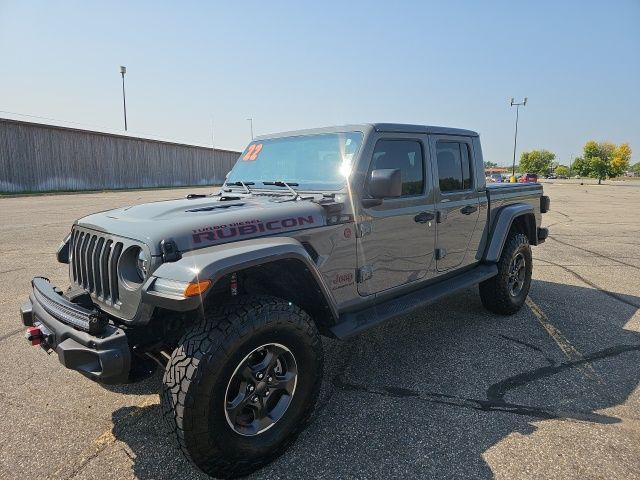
pixel 213 139
pixel 570 164
pixel 250 120
pixel 515 138
pixel 123 70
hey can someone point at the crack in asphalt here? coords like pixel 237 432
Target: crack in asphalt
pixel 576 264
pixel 561 341
pixel 12 270
pixel 546 356
pixel 563 214
pixel 474 403
pixel 613 295
pixel 10 334
pixel 324 400
pixel 106 439
pixel 495 393
pixel 594 253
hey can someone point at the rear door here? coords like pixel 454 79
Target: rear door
pixel 397 238
pixel 456 199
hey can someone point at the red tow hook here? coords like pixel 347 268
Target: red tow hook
pixel 34 335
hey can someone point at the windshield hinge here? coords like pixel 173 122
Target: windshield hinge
pixel 170 252
pixel 364 273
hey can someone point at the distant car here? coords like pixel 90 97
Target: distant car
pixel 528 178
pixel 576 176
pixel 495 177
pixel 562 177
pixel 553 176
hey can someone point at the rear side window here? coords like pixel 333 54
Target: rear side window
pixel 405 155
pixel 454 166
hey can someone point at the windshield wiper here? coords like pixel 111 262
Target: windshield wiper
pixel 242 184
pixel 289 185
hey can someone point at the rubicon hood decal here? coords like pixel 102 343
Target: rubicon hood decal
pixel 198 223
pixel 251 228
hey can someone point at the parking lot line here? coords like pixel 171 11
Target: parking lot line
pixel 563 343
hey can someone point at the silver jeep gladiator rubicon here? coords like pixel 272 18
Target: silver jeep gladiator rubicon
pixel 320 232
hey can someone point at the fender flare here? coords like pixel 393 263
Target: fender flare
pixel 215 262
pixel 501 226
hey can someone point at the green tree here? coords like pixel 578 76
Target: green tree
pixel 590 149
pixel 490 164
pixel 536 161
pixel 562 170
pixel 636 168
pixel 603 160
pixel 598 168
pixel 581 167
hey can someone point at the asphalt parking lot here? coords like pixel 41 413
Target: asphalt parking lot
pixel 449 392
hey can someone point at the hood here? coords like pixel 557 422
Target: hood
pixel 202 222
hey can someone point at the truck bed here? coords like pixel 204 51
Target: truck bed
pixel 496 190
pixel 500 194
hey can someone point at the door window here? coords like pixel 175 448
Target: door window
pixel 405 155
pixel 454 168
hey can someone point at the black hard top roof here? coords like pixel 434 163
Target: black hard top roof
pixel 408 128
pixel 378 127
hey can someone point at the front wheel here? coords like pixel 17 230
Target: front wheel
pixel 241 384
pixel 507 291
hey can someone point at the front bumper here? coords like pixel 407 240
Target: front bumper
pixel 104 357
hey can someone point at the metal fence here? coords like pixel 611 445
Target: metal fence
pixel 37 157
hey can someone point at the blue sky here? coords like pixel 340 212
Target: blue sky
pixel 292 65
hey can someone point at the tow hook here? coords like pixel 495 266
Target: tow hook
pixel 34 335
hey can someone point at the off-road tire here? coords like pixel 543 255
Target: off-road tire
pixel 197 376
pixel 495 292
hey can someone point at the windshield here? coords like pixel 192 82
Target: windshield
pixel 314 162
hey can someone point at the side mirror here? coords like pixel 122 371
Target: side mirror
pixel 385 183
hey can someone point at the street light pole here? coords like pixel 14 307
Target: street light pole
pixel 515 138
pixel 213 135
pixel 123 70
pixel 250 120
pixel 570 164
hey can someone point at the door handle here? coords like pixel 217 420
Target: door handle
pixel 468 210
pixel 424 217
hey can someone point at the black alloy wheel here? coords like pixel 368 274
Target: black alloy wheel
pixel 261 389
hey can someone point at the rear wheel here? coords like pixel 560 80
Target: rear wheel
pixel 507 291
pixel 241 384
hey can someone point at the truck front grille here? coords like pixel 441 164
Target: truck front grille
pixel 94 264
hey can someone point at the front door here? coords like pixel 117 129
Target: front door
pixel 397 238
pixel 457 199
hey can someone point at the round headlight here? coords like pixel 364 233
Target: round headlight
pixel 142 264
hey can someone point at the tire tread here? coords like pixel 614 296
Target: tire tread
pixel 210 342
pixel 493 292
